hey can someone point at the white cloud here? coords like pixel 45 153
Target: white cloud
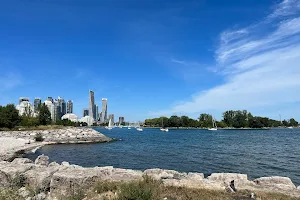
pixel 286 8
pixel 262 69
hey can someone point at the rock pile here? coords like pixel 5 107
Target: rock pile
pixel 55 181
pixel 64 135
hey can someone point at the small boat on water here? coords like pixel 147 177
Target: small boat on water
pixel 110 126
pixel 214 128
pixel 163 129
pixel 290 127
pixel 139 129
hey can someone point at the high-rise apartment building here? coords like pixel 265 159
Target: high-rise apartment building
pixel 25 107
pixel 121 120
pixel 62 105
pixel 36 104
pixel 51 108
pixel 85 112
pixel 21 99
pixel 104 110
pixel 50 99
pixel 112 118
pixel 70 106
pixel 96 111
pixel 57 110
pixel 91 104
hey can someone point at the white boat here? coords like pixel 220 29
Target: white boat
pixel 162 125
pixel 110 126
pixel 129 127
pixel 290 127
pixel 139 129
pixel 214 128
pixel 164 129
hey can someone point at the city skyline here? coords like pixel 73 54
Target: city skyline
pixel 181 57
pixel 59 107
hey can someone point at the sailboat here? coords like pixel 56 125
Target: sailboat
pixel 214 128
pixel 138 128
pixel 129 127
pixel 120 125
pixel 110 126
pixel 162 127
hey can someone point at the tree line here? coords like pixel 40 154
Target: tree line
pixel 9 118
pixel 231 118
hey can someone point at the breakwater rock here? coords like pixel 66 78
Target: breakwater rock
pixel 63 135
pixel 14 143
pixel 58 181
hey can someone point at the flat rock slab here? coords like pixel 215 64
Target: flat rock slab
pixel 71 180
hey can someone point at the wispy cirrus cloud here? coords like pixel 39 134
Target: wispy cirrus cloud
pixel 260 63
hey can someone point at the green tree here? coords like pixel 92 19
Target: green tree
pixel 174 121
pixel 184 121
pixel 293 122
pixel 221 124
pixel 9 116
pixel 255 122
pixel 228 117
pixel 285 123
pixel 29 121
pixel 205 120
pixel 44 115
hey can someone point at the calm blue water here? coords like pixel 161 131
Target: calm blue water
pixel 254 152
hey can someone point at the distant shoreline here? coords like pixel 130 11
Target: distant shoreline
pixel 187 128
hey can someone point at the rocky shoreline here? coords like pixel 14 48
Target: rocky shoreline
pixel 27 139
pixel 58 181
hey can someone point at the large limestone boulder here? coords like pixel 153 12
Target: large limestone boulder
pixel 42 160
pixel 69 181
pixel 222 180
pixel 18 161
pixel 11 174
pixel 39 177
pixel 160 174
pixel 275 182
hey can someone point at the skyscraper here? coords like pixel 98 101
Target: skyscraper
pixel 62 105
pixel 70 106
pixel 96 113
pixel 112 118
pixel 104 110
pixel 121 120
pixel 85 112
pixel 91 104
pixel 37 103
pixel 57 110
pixel 25 107
pixel 50 106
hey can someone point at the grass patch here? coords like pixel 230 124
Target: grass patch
pixel 18 181
pixel 9 194
pixel 149 189
pixel 38 137
pixel 146 189
pixel 105 186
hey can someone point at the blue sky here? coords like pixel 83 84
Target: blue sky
pixel 153 58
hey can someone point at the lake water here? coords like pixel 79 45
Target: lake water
pixel 254 152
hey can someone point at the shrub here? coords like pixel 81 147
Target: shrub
pixel 18 181
pixel 105 186
pixel 147 189
pixel 38 137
